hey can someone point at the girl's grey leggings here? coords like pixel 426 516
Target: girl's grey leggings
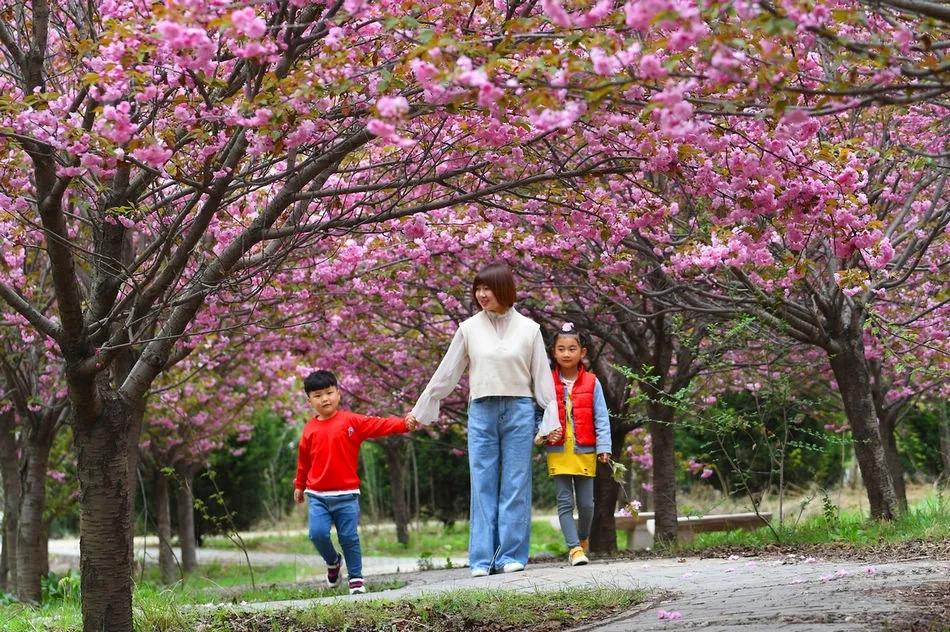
pixel 568 487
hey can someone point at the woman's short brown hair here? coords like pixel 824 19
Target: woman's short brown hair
pixel 498 277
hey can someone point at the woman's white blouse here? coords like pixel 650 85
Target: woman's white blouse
pixel 506 356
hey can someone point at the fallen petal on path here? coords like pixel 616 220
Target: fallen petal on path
pixel 669 615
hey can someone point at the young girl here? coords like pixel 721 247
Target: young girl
pixel 583 439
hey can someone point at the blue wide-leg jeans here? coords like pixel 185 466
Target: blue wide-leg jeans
pixel 500 440
pixel 344 512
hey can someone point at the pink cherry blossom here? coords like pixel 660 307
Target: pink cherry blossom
pixel 391 107
pixel 247 21
pixel 154 155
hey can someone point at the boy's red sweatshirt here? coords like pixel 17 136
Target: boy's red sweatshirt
pixel 330 448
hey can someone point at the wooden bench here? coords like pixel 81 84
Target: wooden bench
pixel 640 529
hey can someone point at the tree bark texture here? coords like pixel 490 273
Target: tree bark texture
pixel 393 449
pixel 185 504
pixel 106 439
pixel 888 425
pixel 32 562
pixel 166 556
pixel 850 368
pixel 664 473
pixel 603 537
pixel 603 530
pixel 11 501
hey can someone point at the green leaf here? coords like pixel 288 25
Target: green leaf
pixel 617 470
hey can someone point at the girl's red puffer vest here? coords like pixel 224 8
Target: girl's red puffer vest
pixel 582 399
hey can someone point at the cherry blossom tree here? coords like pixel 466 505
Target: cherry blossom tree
pixel 197 407
pixel 804 222
pixel 160 158
pixel 33 412
pixel 169 161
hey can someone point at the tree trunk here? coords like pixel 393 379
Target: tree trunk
pixel 944 423
pixel 185 504
pixel 166 556
pixel 8 552
pixel 32 562
pixel 888 423
pixel 664 473
pixel 603 530
pixel 392 448
pixel 107 451
pixel 854 384
pixel 11 501
pixel 44 549
pixel 603 535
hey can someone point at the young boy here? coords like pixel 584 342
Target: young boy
pixel 327 459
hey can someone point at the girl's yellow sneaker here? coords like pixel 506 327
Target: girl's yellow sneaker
pixel 577 557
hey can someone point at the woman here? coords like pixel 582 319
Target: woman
pixel 509 372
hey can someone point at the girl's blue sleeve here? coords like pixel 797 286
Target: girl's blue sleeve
pixel 601 419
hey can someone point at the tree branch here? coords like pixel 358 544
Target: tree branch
pixel 35 318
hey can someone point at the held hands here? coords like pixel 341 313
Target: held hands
pixel 604 457
pixel 411 422
pixel 298 496
pixel 550 438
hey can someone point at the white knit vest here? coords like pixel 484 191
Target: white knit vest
pixel 499 366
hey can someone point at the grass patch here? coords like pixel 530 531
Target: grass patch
pixel 161 608
pixel 217 583
pixel 487 610
pixel 928 519
pixel 432 541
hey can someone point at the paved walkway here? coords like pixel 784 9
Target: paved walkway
pixel 69 548
pixel 751 594
pixel 748 594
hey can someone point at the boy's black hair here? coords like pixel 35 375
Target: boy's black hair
pixel 318 380
pixel 569 329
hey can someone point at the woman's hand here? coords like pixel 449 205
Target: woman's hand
pixel 604 457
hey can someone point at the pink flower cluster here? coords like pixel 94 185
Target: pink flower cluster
pixel 555 12
pixel 694 467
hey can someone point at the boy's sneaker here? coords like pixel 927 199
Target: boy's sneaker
pixel 512 567
pixel 356 586
pixel 577 557
pixel 479 572
pixel 333 573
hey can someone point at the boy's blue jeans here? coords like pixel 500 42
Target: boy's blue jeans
pixel 500 443
pixel 344 512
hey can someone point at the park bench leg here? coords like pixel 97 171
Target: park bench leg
pixel 642 538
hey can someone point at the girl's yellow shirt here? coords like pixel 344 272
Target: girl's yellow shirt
pixel 568 461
